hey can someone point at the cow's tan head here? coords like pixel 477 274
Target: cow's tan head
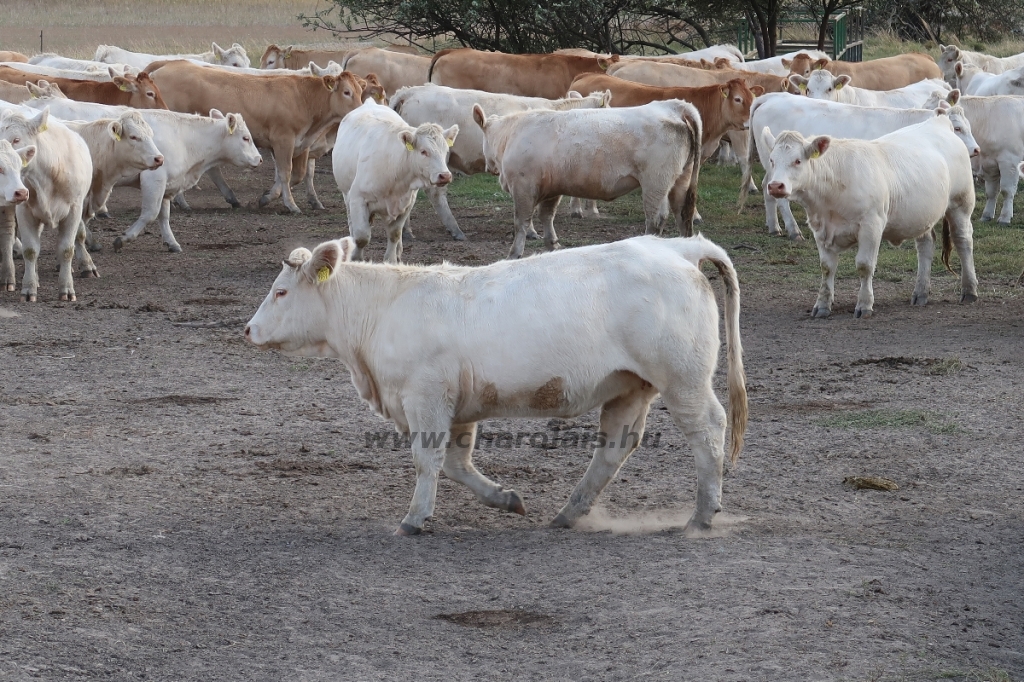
pixel 274 57
pixel 345 90
pixel 803 64
pixel 43 88
pixel 296 316
pixel 736 100
pixel 372 89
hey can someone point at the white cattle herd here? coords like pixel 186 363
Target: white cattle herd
pixel 880 150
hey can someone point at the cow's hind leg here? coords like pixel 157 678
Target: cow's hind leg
pixel 622 422
pixel 962 236
pixel 165 227
pixel 68 231
pixel 86 267
pixel 867 257
pixel 925 254
pixel 394 229
pixel 458 466
pixel 546 216
pixel 522 209
pixel 656 210
pixel 701 418
pixel 1008 177
pixel 8 225
pixel 430 425
pixel 991 177
pixel 829 256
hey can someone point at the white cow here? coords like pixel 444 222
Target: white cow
pixel 12 161
pixel 16 94
pixel 191 145
pixel 452 106
pixel 971 80
pixel 821 84
pixel 951 54
pixel 779 65
pixel 58 182
pixel 782 111
pixel 539 156
pixel 859 192
pixel 120 148
pixel 100 75
pixel 730 52
pixel 621 323
pixel 56 61
pixel 997 123
pixel 232 56
pixel 380 163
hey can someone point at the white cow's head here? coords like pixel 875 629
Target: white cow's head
pixel 238 142
pixel 20 130
pixel 295 316
pixel 133 142
pixel 961 126
pixel 949 55
pixel 12 189
pixel 493 148
pixel 427 150
pixel 233 56
pixel 821 84
pixel 44 88
pixel 791 156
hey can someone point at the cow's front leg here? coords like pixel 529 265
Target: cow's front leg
pixel 439 200
pixel 546 216
pixel 276 189
pixel 67 234
pixel 393 254
pixel 792 229
pixel 30 230
pixel 771 213
pixel 1008 178
pixel 622 424
pixel 166 235
pixel 991 177
pixel 283 159
pixel 311 196
pixel 153 185
pixel 8 225
pixel 867 257
pixel 86 268
pixel 458 466
pixel 430 432
pixel 962 236
pixel 925 253
pixel 523 207
pixel 829 257
pixel 223 187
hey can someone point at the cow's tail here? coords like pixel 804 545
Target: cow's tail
pixel 691 118
pixel 433 61
pixel 947 245
pixel 398 99
pixel 748 169
pixel 706 250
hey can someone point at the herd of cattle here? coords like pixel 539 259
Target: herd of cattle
pixel 877 150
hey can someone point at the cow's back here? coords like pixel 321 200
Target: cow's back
pixel 395 70
pixel 888 73
pixel 529 75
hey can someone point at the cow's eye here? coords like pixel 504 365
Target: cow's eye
pixel 280 293
pixel 797 162
pixel 133 137
pixel 245 139
pixel 16 140
pixel 958 130
pixel 423 152
pixel 150 95
pixel 348 93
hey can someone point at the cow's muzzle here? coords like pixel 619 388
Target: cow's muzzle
pixel 778 190
pixel 443 179
pixel 19 196
pixel 157 162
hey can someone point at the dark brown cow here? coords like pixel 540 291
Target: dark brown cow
pixel 528 75
pixel 887 73
pixel 286 114
pixel 722 107
pixel 127 91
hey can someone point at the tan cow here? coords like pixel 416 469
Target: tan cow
pixel 395 70
pixel 16 94
pixel 722 107
pixel 887 73
pixel 8 56
pixel 291 57
pixel 139 92
pixel 286 114
pixel 528 75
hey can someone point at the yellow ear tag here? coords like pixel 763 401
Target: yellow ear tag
pixel 117 137
pixel 451 143
pixel 44 127
pixel 815 154
pixel 839 86
pixel 288 54
pixel 24 163
pixel 123 88
pixel 604 67
pixel 725 94
pixel 803 87
pixel 323 274
pixel 33 95
pixel 408 145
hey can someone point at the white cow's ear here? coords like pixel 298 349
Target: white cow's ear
pixel 479 116
pixel 954 96
pixel 216 113
pixel 408 139
pixel 606 99
pixel 786 63
pixel 232 123
pixel 817 146
pixel 297 257
pixel 959 68
pixel 218 50
pixel 348 249
pixel 572 94
pixel 316 70
pixel 767 139
pixel 799 82
pixel 41 120
pixel 112 72
pixel 840 82
pixel 26 154
pixel 116 130
pixel 324 261
pixel 1020 169
pixel 450 135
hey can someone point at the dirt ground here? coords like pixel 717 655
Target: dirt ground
pixel 176 505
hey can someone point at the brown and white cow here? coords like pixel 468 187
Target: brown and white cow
pixel 722 107
pixel 887 73
pixel 539 156
pixel 139 92
pixel 286 114
pixel 394 70
pixel 528 75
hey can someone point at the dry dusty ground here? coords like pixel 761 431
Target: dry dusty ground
pixel 175 505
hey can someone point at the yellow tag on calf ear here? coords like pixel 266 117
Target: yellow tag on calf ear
pixel 408 145
pixel 123 88
pixel 451 143
pixel 323 274
pixel 117 137
pixel 803 87
pixel 815 154
pixel 24 163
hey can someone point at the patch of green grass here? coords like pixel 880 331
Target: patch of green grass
pixel 478 190
pixel 891 419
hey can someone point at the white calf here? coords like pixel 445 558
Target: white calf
pixel 971 80
pixel 821 84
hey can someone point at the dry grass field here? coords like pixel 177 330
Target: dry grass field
pixel 176 505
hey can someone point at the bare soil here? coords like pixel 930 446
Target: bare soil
pixel 175 505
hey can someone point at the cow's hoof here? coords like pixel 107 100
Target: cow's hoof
pixel 919 299
pixel 118 244
pixel 796 237
pixel 68 297
pixel 968 298
pixel 8 287
pixel 94 247
pixel 515 503
pixel 173 248
pixel 820 312
pixel 774 233
pixel 103 215
pixel 532 236
pixel 88 274
pixel 459 236
pixel 28 298
pixel 234 203
pixel 697 529
pixel 561 521
pixel 407 236
pixel 406 529
pixel 1004 222
pixel 263 200
pixel 576 214
pixel 316 205
pixel 986 218
pixel 863 313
